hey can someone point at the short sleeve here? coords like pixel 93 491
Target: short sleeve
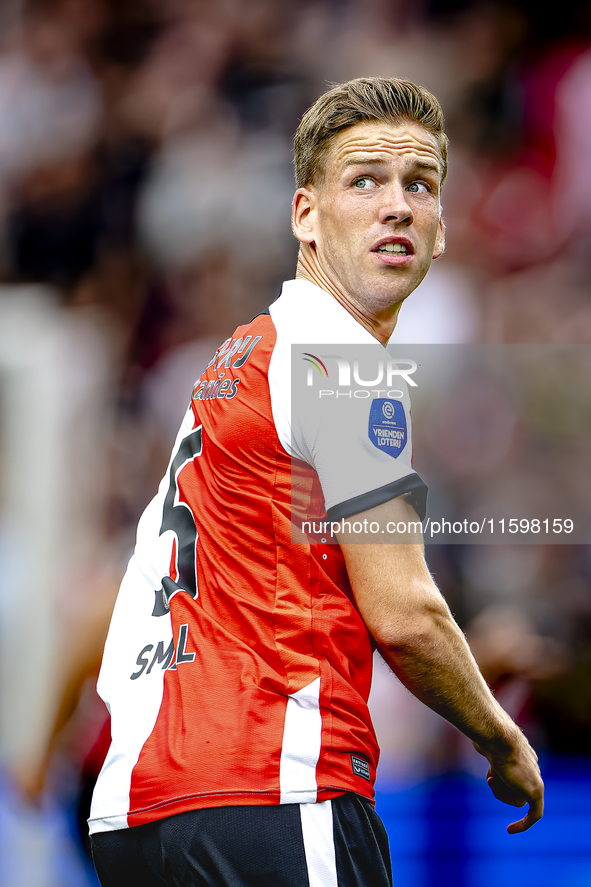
pixel 341 403
pixel 358 439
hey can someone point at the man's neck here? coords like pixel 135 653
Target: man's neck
pixel 308 268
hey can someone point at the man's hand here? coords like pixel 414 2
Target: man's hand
pixel 515 779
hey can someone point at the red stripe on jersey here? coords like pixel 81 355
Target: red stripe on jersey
pixel 173 571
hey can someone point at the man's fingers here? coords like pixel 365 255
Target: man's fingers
pixel 516 780
pixel 520 826
pixel 505 793
pixel 534 814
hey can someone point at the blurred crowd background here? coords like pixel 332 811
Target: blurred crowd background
pixel 145 188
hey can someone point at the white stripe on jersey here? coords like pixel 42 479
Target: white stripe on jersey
pixel 300 749
pixel 127 635
pixel 135 705
pixel 319 847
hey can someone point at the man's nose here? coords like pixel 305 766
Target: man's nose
pixel 395 207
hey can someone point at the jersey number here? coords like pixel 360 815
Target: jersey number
pixel 178 517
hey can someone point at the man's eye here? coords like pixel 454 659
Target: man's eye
pixel 418 188
pixel 364 183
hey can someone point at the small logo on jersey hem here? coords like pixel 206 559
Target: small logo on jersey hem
pixel 360 767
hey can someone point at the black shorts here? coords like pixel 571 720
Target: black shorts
pixel 338 843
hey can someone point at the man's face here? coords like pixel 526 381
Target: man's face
pixel 374 221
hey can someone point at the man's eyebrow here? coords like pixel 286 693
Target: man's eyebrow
pixel 424 164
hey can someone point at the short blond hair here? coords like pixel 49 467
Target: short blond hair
pixel 364 100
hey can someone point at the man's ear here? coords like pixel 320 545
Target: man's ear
pixel 439 247
pixel 303 214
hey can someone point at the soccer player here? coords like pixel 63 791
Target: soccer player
pixel 238 663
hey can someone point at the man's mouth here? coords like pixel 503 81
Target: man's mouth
pixel 397 249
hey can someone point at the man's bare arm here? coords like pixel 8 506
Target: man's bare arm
pixel 420 640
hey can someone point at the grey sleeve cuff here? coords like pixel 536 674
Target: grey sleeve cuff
pixel 412 484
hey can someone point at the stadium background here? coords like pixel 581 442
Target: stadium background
pixel 145 184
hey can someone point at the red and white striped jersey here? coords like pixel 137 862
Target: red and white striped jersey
pixel 237 668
